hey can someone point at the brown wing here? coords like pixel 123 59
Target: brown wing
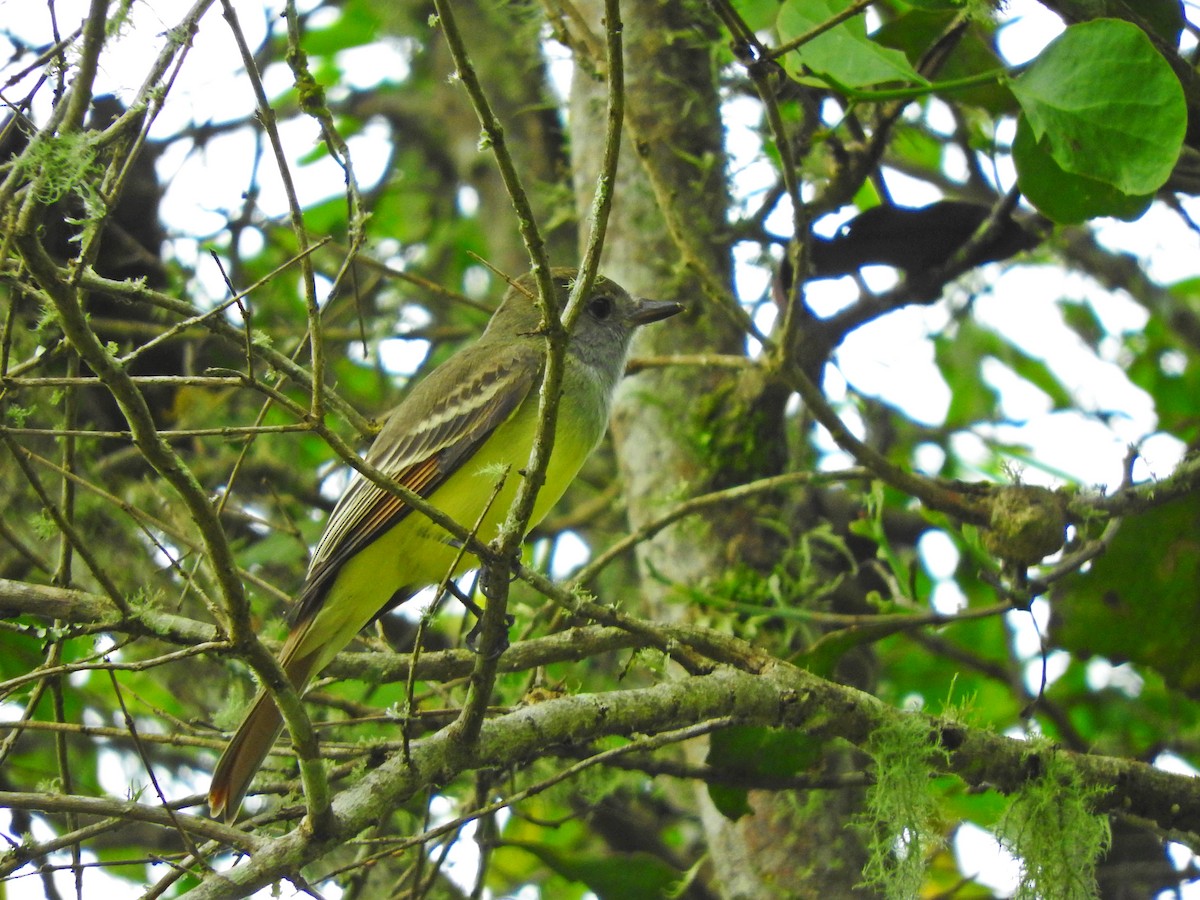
pixel 439 426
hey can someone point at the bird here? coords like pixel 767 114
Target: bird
pixel 470 419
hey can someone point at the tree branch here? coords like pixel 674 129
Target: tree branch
pixel 782 696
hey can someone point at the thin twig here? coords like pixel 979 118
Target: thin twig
pixel 65 526
pixel 856 7
pixel 131 729
pixel 266 115
pixel 698 504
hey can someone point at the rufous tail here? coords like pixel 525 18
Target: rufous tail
pixel 244 757
pixel 254 738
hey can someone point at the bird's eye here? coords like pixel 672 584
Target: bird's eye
pixel 600 307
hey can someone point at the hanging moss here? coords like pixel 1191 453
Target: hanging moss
pixel 901 807
pixel 1051 827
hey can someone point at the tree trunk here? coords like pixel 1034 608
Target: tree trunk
pixel 681 431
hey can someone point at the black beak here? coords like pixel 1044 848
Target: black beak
pixel 648 311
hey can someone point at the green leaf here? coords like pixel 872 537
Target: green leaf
pixel 916 30
pixel 1036 372
pixel 731 802
pixel 1164 17
pixel 1135 601
pixel 759 15
pixel 614 876
pixel 277 548
pixel 936 678
pixel 917 147
pixel 959 357
pixel 1082 319
pixel 971 399
pixel 844 53
pixel 754 751
pixel 359 23
pixel 1065 197
pixel 1174 390
pixel 1104 104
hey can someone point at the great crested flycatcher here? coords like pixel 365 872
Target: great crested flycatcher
pixel 470 419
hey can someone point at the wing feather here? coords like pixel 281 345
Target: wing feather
pixel 463 402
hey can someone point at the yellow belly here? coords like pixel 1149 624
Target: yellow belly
pixel 416 552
